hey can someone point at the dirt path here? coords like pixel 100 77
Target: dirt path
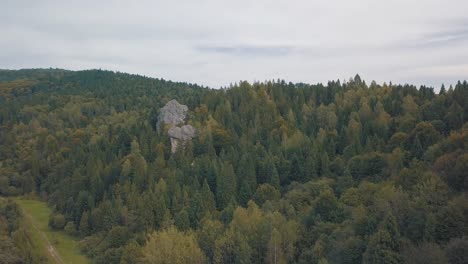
pixel 50 248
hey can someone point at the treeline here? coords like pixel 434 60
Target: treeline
pixel 278 173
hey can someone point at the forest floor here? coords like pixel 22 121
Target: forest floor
pixel 61 248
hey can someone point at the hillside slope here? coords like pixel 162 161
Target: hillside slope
pixel 277 173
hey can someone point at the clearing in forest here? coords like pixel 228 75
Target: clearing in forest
pixel 61 247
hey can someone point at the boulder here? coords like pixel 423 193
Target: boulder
pixel 172 113
pixel 185 132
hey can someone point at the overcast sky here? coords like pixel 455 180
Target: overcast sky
pixel 217 42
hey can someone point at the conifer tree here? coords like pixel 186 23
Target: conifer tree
pixel 226 185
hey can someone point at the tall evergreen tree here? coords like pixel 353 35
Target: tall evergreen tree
pixel 226 185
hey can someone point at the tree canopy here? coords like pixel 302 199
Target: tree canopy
pixel 278 172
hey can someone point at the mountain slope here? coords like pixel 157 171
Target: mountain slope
pixel 278 172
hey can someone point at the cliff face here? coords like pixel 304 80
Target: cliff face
pixel 174 114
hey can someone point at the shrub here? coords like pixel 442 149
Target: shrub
pixel 57 221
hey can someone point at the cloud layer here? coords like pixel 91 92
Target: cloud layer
pixel 215 43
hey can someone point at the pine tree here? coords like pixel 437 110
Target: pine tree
pixel 196 210
pixel 384 245
pixel 182 220
pixel 310 167
pixel 274 178
pixel 297 169
pixel 207 197
pixel 245 193
pixel 84 227
pixel 226 185
pixel 246 170
pixel 416 148
pixel 324 165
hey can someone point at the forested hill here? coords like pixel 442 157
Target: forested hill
pixel 278 172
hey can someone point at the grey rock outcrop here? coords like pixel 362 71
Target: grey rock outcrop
pixel 185 132
pixel 174 114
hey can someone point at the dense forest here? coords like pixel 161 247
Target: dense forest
pixel 343 172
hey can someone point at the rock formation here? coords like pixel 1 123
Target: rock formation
pixel 174 114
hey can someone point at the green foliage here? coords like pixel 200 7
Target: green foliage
pixel 278 173
pixel 172 246
pixel 70 228
pixel 456 250
pixel 225 185
pixel 429 253
pixel 57 221
pixel 266 192
pixel 379 249
pixel 15 242
pixel 384 245
pixel 326 207
pixel 370 166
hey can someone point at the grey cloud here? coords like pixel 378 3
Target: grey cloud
pixel 447 36
pixel 247 50
pixel 112 31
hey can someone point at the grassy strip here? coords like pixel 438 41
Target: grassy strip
pixel 65 245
